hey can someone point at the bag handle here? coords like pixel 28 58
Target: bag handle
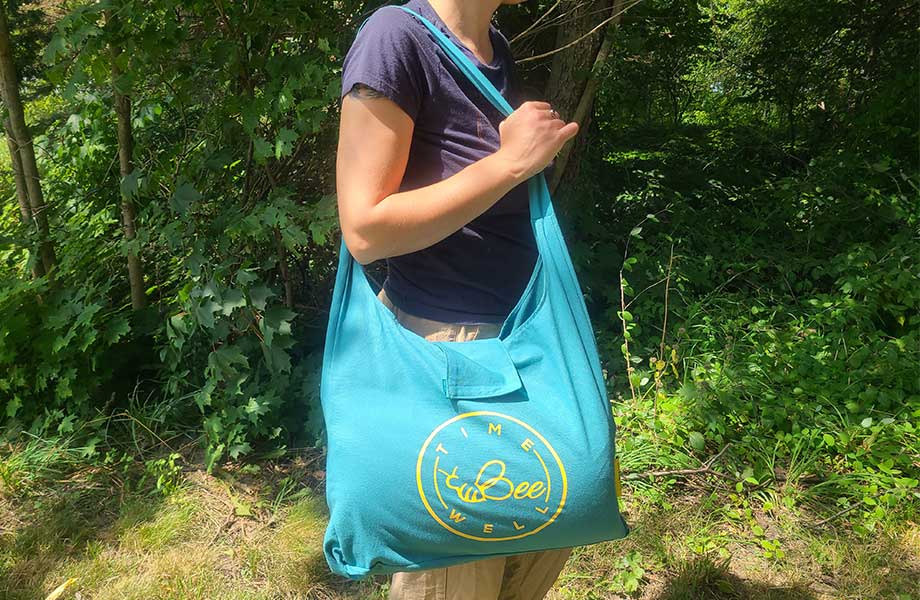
pixel 469 69
pixel 463 62
pixel 550 242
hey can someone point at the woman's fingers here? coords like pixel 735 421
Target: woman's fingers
pixel 533 134
pixel 539 104
pixel 568 131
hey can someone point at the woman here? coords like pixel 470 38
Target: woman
pixel 432 178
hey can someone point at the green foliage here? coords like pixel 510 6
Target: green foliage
pixel 767 240
pixel 745 228
pixel 228 106
pixel 800 327
pixel 166 473
pixel 793 318
pixel 68 344
pixel 29 32
pixel 58 349
pixel 630 577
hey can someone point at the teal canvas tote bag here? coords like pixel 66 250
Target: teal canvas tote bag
pixel 445 452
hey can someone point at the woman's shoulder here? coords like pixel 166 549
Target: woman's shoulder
pixel 388 56
pixel 392 24
pixel 389 36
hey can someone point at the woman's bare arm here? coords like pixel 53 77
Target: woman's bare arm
pixel 375 134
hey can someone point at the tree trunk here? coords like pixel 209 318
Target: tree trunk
pixel 9 87
pixel 126 167
pixel 570 89
pixel 22 196
pixel 584 108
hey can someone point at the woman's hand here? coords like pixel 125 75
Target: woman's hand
pixel 531 137
pixel 379 221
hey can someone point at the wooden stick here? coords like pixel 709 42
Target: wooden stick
pixel 706 469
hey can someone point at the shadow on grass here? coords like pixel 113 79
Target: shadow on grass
pixel 320 583
pixel 65 522
pixel 704 578
pixel 663 552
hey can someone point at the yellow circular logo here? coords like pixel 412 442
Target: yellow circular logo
pixel 489 477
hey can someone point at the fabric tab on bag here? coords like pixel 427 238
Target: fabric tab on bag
pixel 478 369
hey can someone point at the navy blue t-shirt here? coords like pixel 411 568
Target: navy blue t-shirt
pixel 478 273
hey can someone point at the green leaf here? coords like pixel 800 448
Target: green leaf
pixel 55 48
pixel 697 441
pixel 233 299
pixel 214 425
pixel 90 448
pixel 259 296
pixel 204 313
pixel 117 329
pixel 277 358
pixel 284 145
pixel 66 425
pixel 241 509
pixel 203 399
pixel 245 277
pixel 318 232
pixel 130 184
pixel 183 198
pixel 262 149
pixel 254 407
pixel 87 313
pixel 213 455
pixel 294 236
pixel 279 318
pixel 225 363
pixel 13 406
pixel 177 328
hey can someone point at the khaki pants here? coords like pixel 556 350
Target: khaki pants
pixel 521 577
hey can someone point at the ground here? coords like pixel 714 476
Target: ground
pixel 254 532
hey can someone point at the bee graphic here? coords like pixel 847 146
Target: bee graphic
pixel 490 477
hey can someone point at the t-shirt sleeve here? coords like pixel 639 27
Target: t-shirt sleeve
pixel 385 56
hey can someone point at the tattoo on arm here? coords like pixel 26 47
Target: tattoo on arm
pixel 359 90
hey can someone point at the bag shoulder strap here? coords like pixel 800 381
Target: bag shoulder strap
pixel 466 66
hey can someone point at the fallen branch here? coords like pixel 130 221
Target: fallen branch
pixel 706 469
pixel 838 514
pixel 220 529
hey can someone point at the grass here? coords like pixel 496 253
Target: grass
pixel 255 532
pixel 690 551
pixel 209 537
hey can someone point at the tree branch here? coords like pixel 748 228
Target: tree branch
pixel 706 469
pixel 612 17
